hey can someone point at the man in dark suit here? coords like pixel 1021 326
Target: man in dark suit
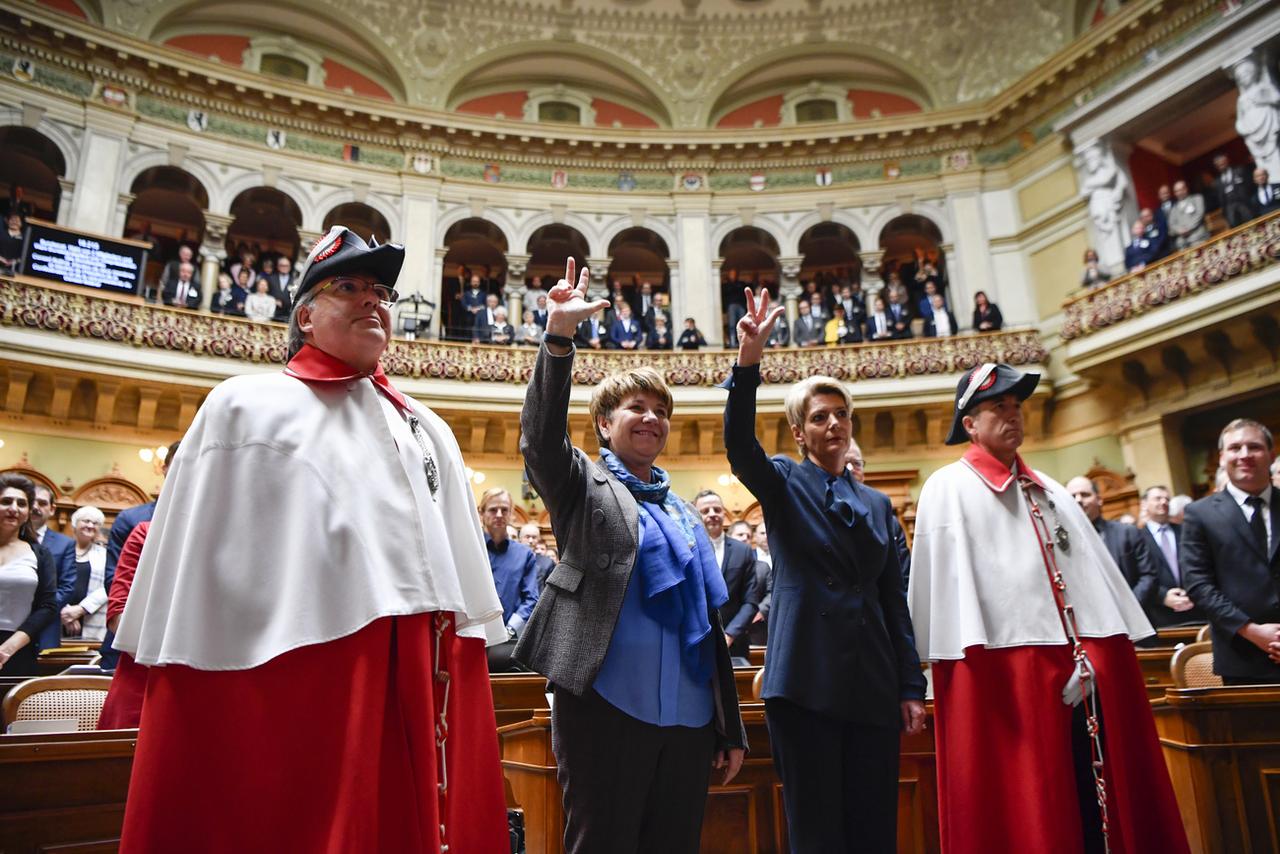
pixel 1171 606
pixel 899 319
pixel 280 283
pixel 486 317
pixel 170 292
pixel 808 329
pixel 1124 542
pixel 1265 196
pixel 531 536
pixel 739 568
pixel 1234 189
pixel 63 550
pixel 1229 558
pixel 540 313
pixel 592 334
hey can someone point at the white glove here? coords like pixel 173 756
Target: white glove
pixel 1076 689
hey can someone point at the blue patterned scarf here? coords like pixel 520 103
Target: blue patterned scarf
pixel 684 579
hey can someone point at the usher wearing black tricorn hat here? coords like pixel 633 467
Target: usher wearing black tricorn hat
pixel 1030 627
pixel 342 629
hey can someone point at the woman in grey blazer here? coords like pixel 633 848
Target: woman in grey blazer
pixel 626 629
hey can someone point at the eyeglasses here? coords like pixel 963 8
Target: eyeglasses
pixel 348 289
pixel 858 464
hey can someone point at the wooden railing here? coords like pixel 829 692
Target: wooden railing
pixel 1233 253
pixel 70 311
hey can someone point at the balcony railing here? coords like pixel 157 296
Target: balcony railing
pixel 1250 247
pixel 70 311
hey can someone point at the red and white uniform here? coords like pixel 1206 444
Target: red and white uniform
pixel 985 615
pixel 314 616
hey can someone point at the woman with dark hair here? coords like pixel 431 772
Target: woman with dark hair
pixel 986 314
pixel 28 579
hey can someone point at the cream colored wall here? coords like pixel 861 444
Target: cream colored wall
pixel 1055 271
pixel 1047 192
pixel 78 460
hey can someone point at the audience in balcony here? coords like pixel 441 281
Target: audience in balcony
pixel 11 244
pixel 940 323
pixel 625 332
pixel 780 335
pixel 1094 275
pixel 1140 252
pixel 817 305
pixel 986 314
pixel 691 338
pixel 855 305
pixel 260 306
pixel 534 293
pixel 529 332
pixel 1186 220
pixel 501 332
pixel 900 312
pixel 84 614
pixel 229 298
pixel 180 281
pixel 659 335
pixel 281 279
pixel 656 308
pixel 1156 229
pixel 926 302
pixel 879 324
pixel 484 320
pixel 840 330
pixel 1266 195
pixel 809 330
pixel 592 333
pixel 1233 188
pixel 540 312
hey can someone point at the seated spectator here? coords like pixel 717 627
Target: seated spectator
pixel 691 338
pixel 1186 220
pixel 260 306
pixel 809 330
pixel 659 337
pixel 625 333
pixel 926 301
pixel 11 244
pixel 839 330
pixel 1155 230
pixel 591 334
pixel 900 313
pixel 941 322
pixel 84 615
pixel 1265 196
pixel 986 314
pixel 879 323
pixel 501 333
pixel 228 299
pixel 1234 190
pixel 1139 253
pixel 529 332
pixel 1094 276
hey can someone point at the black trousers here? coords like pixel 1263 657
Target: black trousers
pixel 1251 680
pixel 1086 786
pixel 839 781
pixel 629 787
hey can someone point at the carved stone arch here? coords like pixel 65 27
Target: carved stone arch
pixel 110 493
pixel 732 223
pixel 851 221
pixel 621 223
pixel 153 157
pixel 338 196
pixel 589 232
pixel 754 514
pixel 933 213
pixel 493 216
pixel 1118 491
pixel 252 180
pixel 68 146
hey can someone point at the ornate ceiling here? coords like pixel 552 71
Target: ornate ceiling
pixel 682 60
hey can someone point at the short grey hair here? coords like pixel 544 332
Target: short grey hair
pixel 87 512
pixel 296 336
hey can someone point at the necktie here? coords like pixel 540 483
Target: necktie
pixel 1257 523
pixel 1170 552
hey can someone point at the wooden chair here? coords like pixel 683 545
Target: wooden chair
pixel 79 698
pixel 1192 667
pixel 1202 636
pixel 757 684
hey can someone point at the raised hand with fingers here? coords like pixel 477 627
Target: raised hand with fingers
pixel 567 304
pixel 755 326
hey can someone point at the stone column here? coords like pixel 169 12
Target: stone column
pixel 65 200
pixel 1153 451
pixel 514 294
pixel 699 286
pixel 598 288
pixel 421 273
pixel 789 289
pixel 1103 177
pixel 213 251
pixel 102 155
pixel 969 266
pixel 677 310
pixel 120 216
pixel 871 261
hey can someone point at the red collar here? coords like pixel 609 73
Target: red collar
pixel 994 473
pixel 315 365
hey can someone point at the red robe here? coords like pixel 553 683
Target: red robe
pixel 123 707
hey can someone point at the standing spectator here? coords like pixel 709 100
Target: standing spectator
pixel 839 330
pixel 900 313
pixel 821 314
pixel 484 320
pixel 855 307
pixel 170 291
pixel 474 300
pixel 657 308
pixel 1139 253
pixel 282 278
pixel 879 324
pixel 1123 542
pixel 628 632
pixel 926 301
pixel 535 295
pixel 529 332
pixel 1234 190
pixel 758 634
pixel 11 240
pixel 780 335
pixel 734 306
pixel 1094 276
pixel 843 680
pixel 540 312
pixel 809 331
pixel 986 314
pixel 28 579
pixel 591 333
pixel 229 298
pixel 1171 605
pixel 691 338
pixel 659 337
pixel 1266 196
pixel 1166 203
pixel 1186 220
pixel 62 549
pixel 501 333
pixel 941 323
pixel 515 574
pixel 1155 229
pixel 625 333
pixel 84 615
pixel 531 536
pixel 738 566
pixel 645 303
pixel 1229 559
pixel 260 306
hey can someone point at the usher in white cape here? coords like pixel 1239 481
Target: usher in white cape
pixel 296 513
pixel 978 578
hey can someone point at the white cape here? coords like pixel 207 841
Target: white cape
pixel 294 514
pixel 978 578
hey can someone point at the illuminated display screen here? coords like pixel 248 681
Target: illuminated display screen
pixel 66 256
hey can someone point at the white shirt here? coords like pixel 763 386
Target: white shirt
pixel 941 322
pixel 717 544
pixel 1239 496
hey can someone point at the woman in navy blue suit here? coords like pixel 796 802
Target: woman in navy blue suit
pixel 842 678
